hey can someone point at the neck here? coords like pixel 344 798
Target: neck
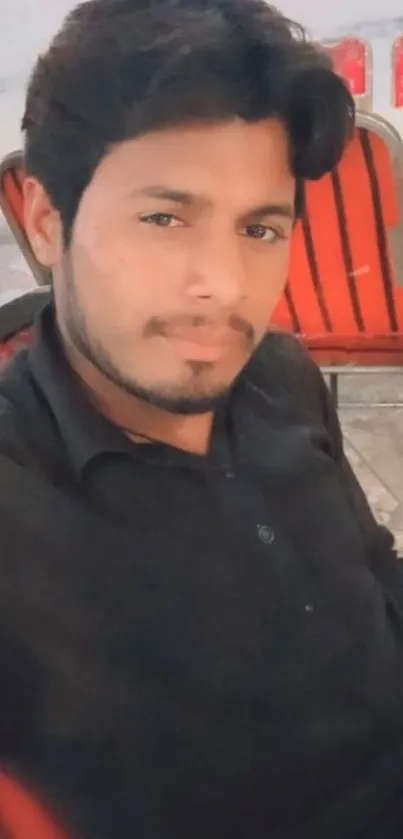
pixel 139 420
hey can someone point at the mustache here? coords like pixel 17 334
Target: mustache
pixel 162 326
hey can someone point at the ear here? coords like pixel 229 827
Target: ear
pixel 42 223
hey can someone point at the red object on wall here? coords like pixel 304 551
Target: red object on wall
pixel 349 57
pixel 397 71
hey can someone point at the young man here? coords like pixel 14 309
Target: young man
pixel 198 630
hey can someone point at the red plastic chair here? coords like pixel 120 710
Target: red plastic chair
pixel 343 298
pixel 11 203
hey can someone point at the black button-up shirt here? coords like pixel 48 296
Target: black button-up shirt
pixel 196 647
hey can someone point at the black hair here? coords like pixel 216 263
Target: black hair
pixel 120 68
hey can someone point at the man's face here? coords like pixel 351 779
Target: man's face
pixel 178 256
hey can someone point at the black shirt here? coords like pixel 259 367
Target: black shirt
pixel 196 647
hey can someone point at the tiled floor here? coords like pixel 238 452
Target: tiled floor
pixel 374 445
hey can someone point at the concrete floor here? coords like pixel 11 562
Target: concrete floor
pixel 374 445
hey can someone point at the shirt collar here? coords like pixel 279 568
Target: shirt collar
pixel 85 432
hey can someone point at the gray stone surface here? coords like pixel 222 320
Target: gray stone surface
pixel 374 445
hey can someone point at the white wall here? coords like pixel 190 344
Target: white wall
pixel 26 28
pixel 28 25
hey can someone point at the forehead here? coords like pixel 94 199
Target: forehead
pixel 244 161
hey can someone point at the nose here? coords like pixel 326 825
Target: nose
pixel 217 270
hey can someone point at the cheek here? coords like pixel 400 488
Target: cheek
pixel 119 274
pixel 268 283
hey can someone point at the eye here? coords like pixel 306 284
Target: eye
pixel 161 220
pixel 263 233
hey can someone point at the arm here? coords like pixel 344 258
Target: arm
pixel 282 363
pixel 382 555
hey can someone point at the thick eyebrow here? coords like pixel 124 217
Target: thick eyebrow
pixel 283 210
pixel 177 196
pixel 188 199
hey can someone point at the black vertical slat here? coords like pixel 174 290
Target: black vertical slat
pixel 346 250
pixel 380 231
pixel 314 269
pixel 296 325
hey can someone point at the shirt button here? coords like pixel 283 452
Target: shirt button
pixel 266 534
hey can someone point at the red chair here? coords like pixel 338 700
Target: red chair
pixel 343 297
pixel 11 203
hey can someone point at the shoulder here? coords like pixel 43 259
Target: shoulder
pixel 26 469
pixel 281 364
pixel 284 353
pixel 18 403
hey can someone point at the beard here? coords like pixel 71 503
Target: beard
pixel 194 397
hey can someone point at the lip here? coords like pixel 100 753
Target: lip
pixel 202 344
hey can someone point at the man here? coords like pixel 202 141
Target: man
pixel 198 635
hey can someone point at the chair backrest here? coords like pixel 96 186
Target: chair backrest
pixel 347 253
pixel 11 203
pixel 343 296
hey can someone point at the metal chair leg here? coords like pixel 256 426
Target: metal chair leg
pixel 334 388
